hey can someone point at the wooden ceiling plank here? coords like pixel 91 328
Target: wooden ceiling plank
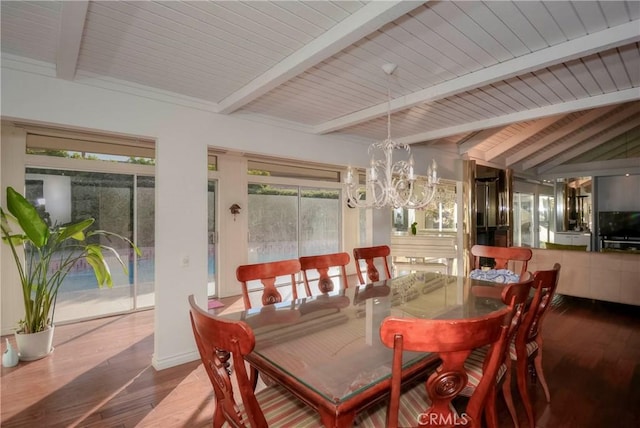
pixel 539 16
pixel 609 167
pixel 558 133
pixel 178 25
pixel 598 70
pixel 72 19
pixel 558 150
pixel 564 14
pixel 521 136
pixel 570 81
pixel 473 57
pixel 584 147
pixel 536 113
pixel 528 85
pixel 631 57
pixel 519 23
pixel 473 31
pixel 567 51
pixel 494 26
pixel 627 141
pixel 476 139
pixel 616 69
pixel 553 84
pixel 362 23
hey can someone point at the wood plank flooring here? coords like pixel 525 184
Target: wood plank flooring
pixel 100 375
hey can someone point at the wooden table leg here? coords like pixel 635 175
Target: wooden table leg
pixel 330 420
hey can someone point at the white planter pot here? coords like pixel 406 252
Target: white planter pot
pixel 33 346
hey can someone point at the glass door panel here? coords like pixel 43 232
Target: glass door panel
pixel 546 209
pixel 119 203
pixel 319 221
pixel 67 196
pixel 145 240
pixel 522 219
pixel 212 239
pixel 273 222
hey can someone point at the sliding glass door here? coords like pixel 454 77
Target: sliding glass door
pixel 212 238
pixel 120 203
pixel 523 219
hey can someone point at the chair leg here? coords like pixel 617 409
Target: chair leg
pixel 490 409
pixel 538 362
pixel 218 417
pixel 521 377
pixel 508 398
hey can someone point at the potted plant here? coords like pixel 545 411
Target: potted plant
pixel 50 252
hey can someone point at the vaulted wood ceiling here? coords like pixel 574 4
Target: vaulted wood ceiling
pixel 540 87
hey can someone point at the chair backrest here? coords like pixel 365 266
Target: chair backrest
pixel 453 341
pixel 515 296
pixel 502 256
pixel 322 264
pixel 545 283
pixel 267 273
pixel 370 255
pixel 213 337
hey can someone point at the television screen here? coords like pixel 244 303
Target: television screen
pixel 622 224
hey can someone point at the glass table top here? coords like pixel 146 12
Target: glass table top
pixel 330 343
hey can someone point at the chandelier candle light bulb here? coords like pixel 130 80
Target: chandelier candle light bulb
pixel 394 184
pixel 411 175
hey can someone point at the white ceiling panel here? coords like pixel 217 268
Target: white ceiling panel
pixel 500 80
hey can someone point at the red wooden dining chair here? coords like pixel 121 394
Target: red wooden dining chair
pixel 267 273
pixel 370 255
pixel 273 406
pixel 321 265
pixel 453 341
pixel 514 295
pixel 502 256
pixel 528 341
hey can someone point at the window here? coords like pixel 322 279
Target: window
pixel 56 143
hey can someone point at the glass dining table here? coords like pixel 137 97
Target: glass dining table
pixel 326 349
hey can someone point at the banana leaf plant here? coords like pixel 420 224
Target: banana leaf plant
pixel 58 246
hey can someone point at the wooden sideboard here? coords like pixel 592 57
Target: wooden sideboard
pixel 612 277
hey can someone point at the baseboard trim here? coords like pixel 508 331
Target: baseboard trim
pixel 174 360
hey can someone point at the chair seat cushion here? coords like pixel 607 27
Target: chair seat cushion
pixel 473 366
pixel 281 409
pixel 503 276
pixel 531 348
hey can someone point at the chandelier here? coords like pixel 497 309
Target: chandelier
pixel 390 184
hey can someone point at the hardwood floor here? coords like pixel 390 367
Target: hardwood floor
pixel 100 375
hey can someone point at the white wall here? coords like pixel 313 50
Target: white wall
pixel 182 136
pixel 232 230
pixel 12 155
